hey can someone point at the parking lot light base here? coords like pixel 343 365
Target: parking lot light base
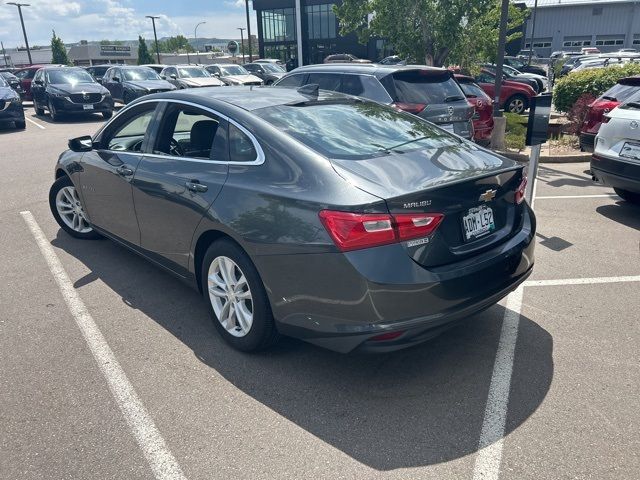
pixel 499 130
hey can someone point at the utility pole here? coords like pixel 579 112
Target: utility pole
pixel 242 42
pixel 155 36
pixel 195 39
pixel 533 29
pixel 24 31
pixel 4 54
pixel 299 32
pixel 246 4
pixel 497 139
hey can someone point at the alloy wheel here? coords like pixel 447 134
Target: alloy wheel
pixel 516 106
pixel 70 210
pixel 230 296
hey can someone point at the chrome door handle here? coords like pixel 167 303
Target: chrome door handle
pixel 124 171
pixel 196 187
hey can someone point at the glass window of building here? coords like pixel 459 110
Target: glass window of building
pixel 279 25
pixel 321 21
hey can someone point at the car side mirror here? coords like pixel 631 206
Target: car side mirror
pixel 38 82
pixel 216 75
pixel 81 144
pixel 14 83
pixel 164 77
pixel 173 76
pixel 116 79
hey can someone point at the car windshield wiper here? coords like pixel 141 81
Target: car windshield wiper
pixel 607 97
pixel 453 98
pixel 634 105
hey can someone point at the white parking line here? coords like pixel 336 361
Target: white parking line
pixel 562 197
pixel 35 123
pixel 581 281
pixel 155 450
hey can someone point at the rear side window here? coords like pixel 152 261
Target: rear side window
pixel 291 81
pixel 426 87
pixel 241 148
pixel 620 92
pixel 326 81
pixel 364 86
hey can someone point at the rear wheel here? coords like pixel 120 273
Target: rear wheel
pixel 67 209
pixel 236 298
pixel 517 104
pixel 39 110
pixel 631 197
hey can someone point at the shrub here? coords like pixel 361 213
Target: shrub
pixel 569 89
pixel 578 114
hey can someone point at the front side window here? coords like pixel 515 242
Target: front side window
pixel 129 134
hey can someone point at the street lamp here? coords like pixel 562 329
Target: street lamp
pixel 24 31
pixel 155 36
pixel 242 42
pixel 246 4
pixel 195 39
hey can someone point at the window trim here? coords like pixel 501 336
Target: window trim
pixel 260 159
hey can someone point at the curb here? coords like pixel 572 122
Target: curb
pixel 575 158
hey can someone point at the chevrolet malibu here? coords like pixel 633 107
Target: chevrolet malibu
pixel 304 213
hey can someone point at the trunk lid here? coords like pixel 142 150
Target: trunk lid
pixel 458 181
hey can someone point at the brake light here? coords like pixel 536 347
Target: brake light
pixel 353 231
pixel 521 191
pixel 414 108
pixel 385 337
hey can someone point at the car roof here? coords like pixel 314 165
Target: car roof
pixel 464 78
pixel 363 68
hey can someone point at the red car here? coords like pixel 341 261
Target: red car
pixel 514 96
pixel 26 75
pixel 483 116
pixel 609 100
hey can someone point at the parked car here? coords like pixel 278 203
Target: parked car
pixel 515 97
pixel 589 50
pixel 431 93
pixel 600 63
pixel 620 92
pixel 69 90
pixel 483 105
pixel 393 60
pixel 523 67
pixel 25 75
pixel 189 76
pixel 534 81
pixel 344 58
pixel 616 158
pixel 526 52
pixel 267 72
pixel 126 83
pixel 233 74
pixel 12 80
pixel 304 213
pixel 98 71
pixel 156 67
pixel 276 61
pixel 628 50
pixel 572 62
pixel 11 106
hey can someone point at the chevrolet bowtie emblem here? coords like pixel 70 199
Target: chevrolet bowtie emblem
pixel 488 195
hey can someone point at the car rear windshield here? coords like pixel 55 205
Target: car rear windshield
pixel 426 87
pixel 354 130
pixel 620 92
pixel 473 89
pixel 69 76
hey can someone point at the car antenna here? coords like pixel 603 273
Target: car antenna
pixel 310 90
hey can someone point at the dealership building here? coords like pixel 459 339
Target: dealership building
pixel 570 25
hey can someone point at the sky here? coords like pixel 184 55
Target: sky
pixel 75 20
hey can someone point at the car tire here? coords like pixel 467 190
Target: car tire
pixel 631 197
pixel 39 110
pixel 517 104
pixel 64 194
pixel 21 124
pixel 53 113
pixel 231 281
pixel 107 114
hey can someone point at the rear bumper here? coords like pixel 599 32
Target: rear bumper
pixel 587 141
pixel 341 301
pixel 616 173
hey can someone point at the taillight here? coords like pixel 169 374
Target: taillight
pixel 521 191
pixel 385 337
pixel 353 231
pixel 605 119
pixel 414 108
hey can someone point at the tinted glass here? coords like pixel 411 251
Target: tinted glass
pixel 241 147
pixel 69 76
pixel 139 74
pixel 291 81
pixel 326 81
pixel 129 135
pixel 425 87
pixel 193 72
pixel 473 89
pixel 620 92
pixel 272 68
pixel 355 129
pixel 3 82
pixel 364 86
pixel 233 70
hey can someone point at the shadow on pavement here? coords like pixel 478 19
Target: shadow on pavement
pixel 411 408
pixel 68 118
pixel 558 178
pixel 622 212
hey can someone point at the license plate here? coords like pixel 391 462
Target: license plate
pixel 88 107
pixel 448 127
pixel 630 150
pixel 478 222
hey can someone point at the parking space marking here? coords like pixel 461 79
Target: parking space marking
pixel 35 123
pixel 561 197
pixel 487 464
pixel 581 281
pixel 155 449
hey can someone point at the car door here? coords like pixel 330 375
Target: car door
pixel 107 172
pixel 38 88
pixel 178 179
pixel 172 79
pixel 115 84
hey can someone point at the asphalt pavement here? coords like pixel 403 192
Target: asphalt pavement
pixel 542 386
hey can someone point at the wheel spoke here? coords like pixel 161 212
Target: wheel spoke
pixel 231 317
pixel 218 282
pixel 240 284
pixel 244 317
pixel 246 295
pixel 67 196
pixel 222 267
pixel 64 207
pixel 217 291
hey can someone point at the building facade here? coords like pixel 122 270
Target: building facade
pixel 570 25
pixel 85 55
pixel 320 32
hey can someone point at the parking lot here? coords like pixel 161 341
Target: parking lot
pixel 110 368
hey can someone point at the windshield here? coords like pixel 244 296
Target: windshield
pixel 425 87
pixel 473 89
pixel 510 70
pixel 620 92
pixel 3 82
pixel 193 72
pixel 72 77
pixel 330 127
pixel 233 70
pixel 272 68
pixel 139 74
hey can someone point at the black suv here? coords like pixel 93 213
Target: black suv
pixel 98 71
pixel 268 72
pixel 428 92
pixel 69 90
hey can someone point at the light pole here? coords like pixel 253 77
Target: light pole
pixel 4 54
pixel 500 122
pixel 533 29
pixel 195 39
pixel 155 36
pixel 24 31
pixel 242 42
pixel 246 4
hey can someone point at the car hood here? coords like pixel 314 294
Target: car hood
pixel 7 93
pixel 400 174
pixel 274 76
pixel 150 84
pixel 78 88
pixel 202 82
pixel 242 78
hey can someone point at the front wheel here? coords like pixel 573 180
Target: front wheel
pixel 39 110
pixel 517 104
pixel 236 298
pixel 68 211
pixel 631 197
pixel 55 116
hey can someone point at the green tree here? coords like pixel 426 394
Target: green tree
pixel 419 30
pixel 178 43
pixel 144 57
pixel 58 51
pixel 111 42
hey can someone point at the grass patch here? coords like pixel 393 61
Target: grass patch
pixel 516 132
